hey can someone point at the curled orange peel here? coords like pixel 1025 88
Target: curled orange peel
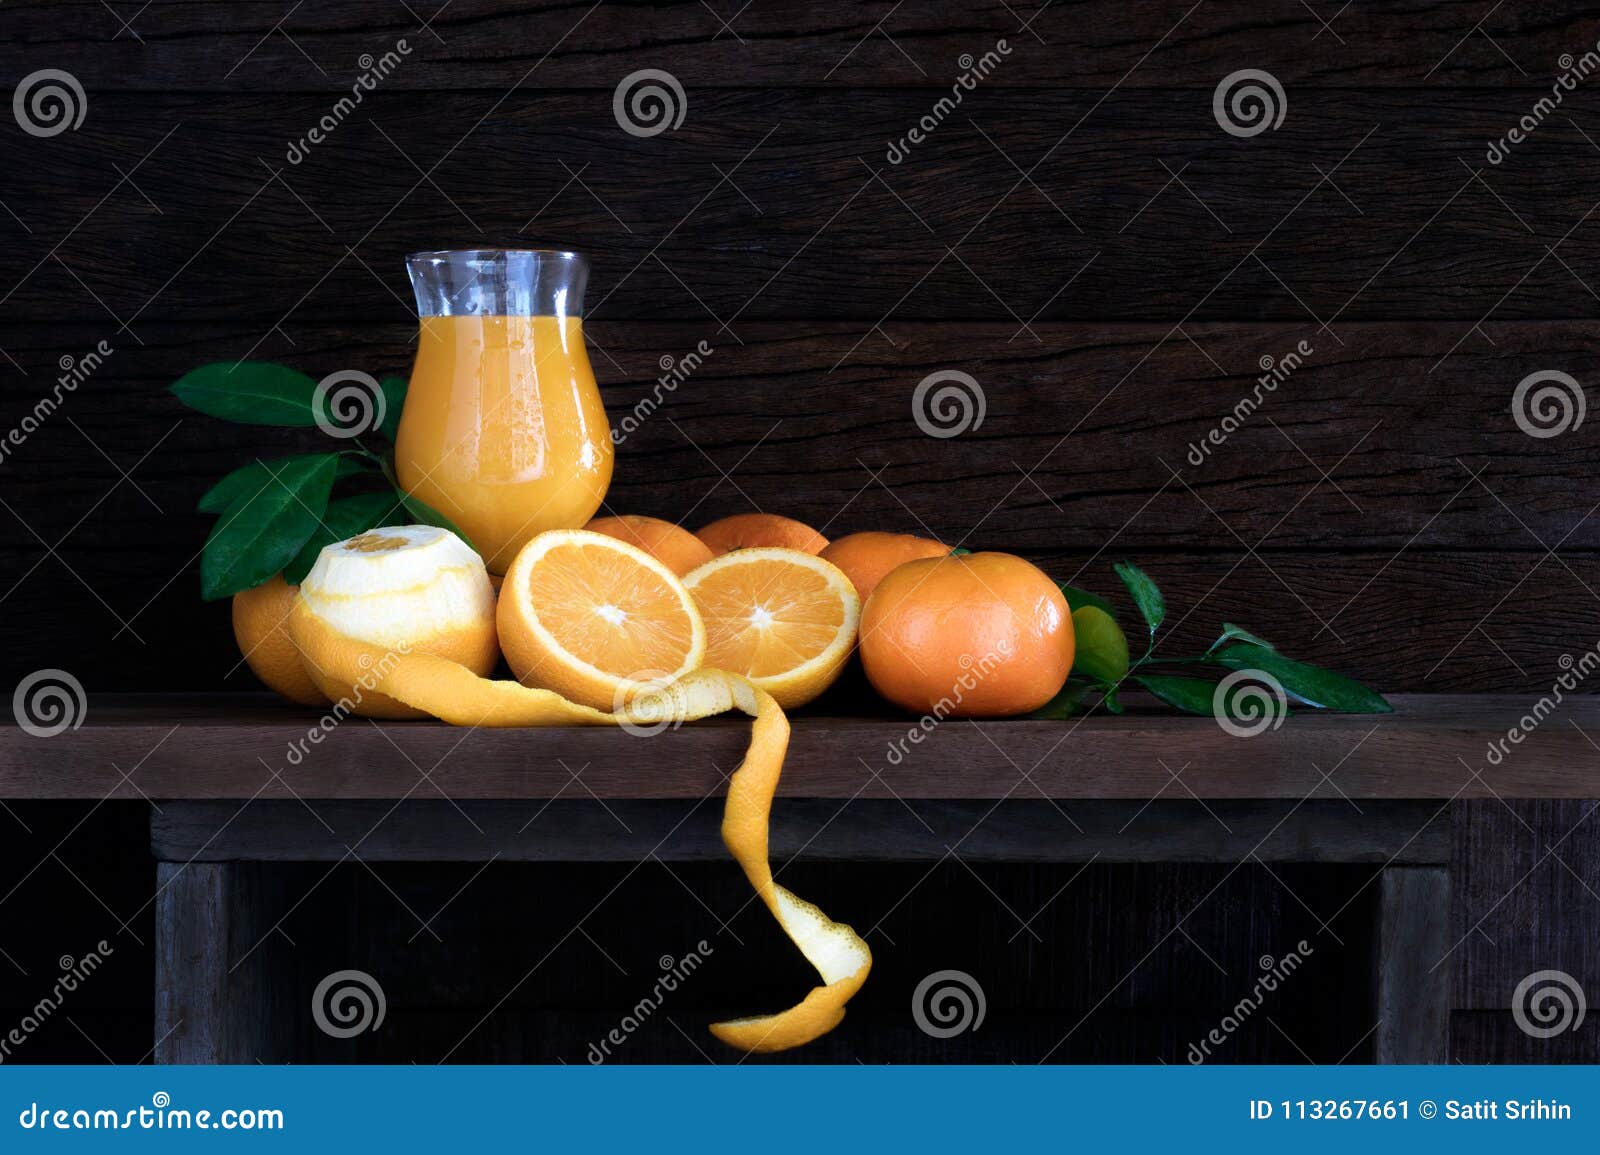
pixel 452 693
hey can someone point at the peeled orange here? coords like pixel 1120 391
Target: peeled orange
pixel 784 619
pixel 595 619
pixel 404 589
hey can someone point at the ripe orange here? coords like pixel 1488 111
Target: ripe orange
pixel 596 620
pixel 782 618
pixel 671 545
pixel 758 531
pixel 261 627
pixel 867 558
pixel 981 635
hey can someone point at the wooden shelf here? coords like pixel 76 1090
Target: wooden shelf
pixel 219 747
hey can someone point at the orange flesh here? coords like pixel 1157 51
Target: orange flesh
pixel 605 607
pixel 765 619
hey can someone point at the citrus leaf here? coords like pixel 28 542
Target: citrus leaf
pixel 256 476
pixel 959 552
pixel 250 392
pixel 1191 695
pixel 1101 649
pixel 344 518
pixel 1310 684
pixel 260 532
pixel 1232 633
pixel 1065 703
pixel 394 399
pixel 1078 598
pixel 1146 595
pixel 1111 702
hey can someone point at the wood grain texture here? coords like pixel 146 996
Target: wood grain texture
pixel 219 746
pixel 1412 985
pixel 470 44
pixel 781 204
pixel 863 830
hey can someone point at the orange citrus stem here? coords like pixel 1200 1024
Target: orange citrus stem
pixel 451 692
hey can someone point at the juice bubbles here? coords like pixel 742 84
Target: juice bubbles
pixel 503 431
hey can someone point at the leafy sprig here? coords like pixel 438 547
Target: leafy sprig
pixel 275 516
pixel 1104 665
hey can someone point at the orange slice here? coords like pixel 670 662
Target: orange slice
pixel 786 620
pixel 595 619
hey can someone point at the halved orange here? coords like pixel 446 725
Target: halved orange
pixel 784 619
pixel 595 619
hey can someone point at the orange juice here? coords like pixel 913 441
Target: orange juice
pixel 503 430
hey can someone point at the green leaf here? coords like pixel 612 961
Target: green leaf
pixel 1146 595
pixel 1111 702
pixel 250 392
pixel 1310 684
pixel 344 518
pixel 256 476
pixel 394 399
pixel 959 552
pixel 1065 703
pixel 1191 695
pixel 1101 650
pixel 260 533
pixel 1232 633
pixel 424 514
pixel 1078 598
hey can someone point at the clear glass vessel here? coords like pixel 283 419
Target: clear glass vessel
pixel 503 430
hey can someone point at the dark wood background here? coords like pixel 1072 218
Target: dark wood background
pixel 1080 236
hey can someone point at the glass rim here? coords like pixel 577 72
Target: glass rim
pixel 493 254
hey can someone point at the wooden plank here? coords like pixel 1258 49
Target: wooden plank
pixel 1413 976
pixel 494 45
pixel 866 830
pixel 671 240
pixel 215 1001
pixel 1398 452
pixel 216 747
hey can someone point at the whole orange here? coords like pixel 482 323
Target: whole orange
pixel 760 531
pixel 867 558
pixel 983 635
pixel 671 545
